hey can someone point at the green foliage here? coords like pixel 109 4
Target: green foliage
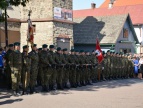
pixel 6 3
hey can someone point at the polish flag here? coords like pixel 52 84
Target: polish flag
pixel 98 51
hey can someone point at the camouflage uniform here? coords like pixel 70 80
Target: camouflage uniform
pixel 46 73
pixel 53 77
pixel 15 62
pixel 34 69
pixel 60 61
pixel 72 70
pixel 66 70
pixel 8 70
pixel 26 64
pixel 82 69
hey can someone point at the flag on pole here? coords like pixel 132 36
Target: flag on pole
pixel 30 35
pixel 98 51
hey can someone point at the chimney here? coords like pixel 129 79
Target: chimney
pixel 93 5
pixel 111 3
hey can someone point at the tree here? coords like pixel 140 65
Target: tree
pixel 5 3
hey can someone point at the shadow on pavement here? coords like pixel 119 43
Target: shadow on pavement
pixel 10 101
pixel 109 84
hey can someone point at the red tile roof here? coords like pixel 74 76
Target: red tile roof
pixel 121 3
pixel 135 11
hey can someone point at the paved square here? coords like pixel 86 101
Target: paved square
pixel 111 94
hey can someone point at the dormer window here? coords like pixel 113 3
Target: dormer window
pixel 125 33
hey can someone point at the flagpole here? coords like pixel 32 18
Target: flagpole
pixel 29 14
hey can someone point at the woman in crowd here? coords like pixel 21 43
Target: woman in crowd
pixel 136 64
pixel 141 68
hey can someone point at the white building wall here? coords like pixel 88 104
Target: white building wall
pixel 130 38
pixel 139 33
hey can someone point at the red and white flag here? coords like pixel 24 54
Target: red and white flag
pixel 30 35
pixel 98 51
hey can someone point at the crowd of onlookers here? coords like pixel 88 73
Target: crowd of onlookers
pixel 138 65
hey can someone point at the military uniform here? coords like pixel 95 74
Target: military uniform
pixel 8 70
pixel 26 65
pixel 53 78
pixel 73 72
pixel 34 69
pixel 60 61
pixel 15 62
pixel 66 69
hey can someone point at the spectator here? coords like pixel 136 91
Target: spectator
pixel 141 68
pixel 1 58
pixel 136 64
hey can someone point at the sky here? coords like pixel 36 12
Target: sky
pixel 85 4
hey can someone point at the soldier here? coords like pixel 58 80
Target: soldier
pixel 82 67
pixel 60 61
pixel 53 83
pixel 34 68
pixel 8 70
pixel 45 65
pixel 108 65
pixel 15 62
pixel 104 63
pixel 78 72
pixel 94 63
pixel 39 69
pixel 88 68
pixel 26 64
pixel 66 69
pixel 73 71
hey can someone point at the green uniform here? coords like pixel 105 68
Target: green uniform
pixel 60 61
pixel 34 69
pixel 8 70
pixel 15 62
pixel 72 70
pixel 53 78
pixel 26 65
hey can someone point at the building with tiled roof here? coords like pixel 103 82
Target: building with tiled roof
pixel 110 30
pixel 135 9
pixel 116 3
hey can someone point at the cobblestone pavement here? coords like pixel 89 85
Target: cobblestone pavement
pixel 111 94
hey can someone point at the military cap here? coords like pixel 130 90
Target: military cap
pixel 65 49
pixel 108 51
pixel 10 45
pixel 51 46
pixel 44 46
pixel 72 50
pixel 117 53
pixel 81 51
pixel 39 49
pixel 16 44
pixel 59 49
pixel 103 52
pixel 93 50
pixel 25 46
pixel 34 45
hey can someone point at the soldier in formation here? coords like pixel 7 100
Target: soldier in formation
pixel 60 69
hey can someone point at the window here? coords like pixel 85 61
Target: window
pixel 125 50
pixel 125 33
